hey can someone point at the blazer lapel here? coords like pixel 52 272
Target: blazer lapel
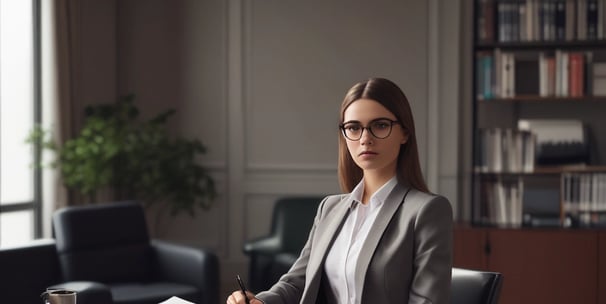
pixel 389 208
pixel 326 232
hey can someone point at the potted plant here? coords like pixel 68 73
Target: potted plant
pixel 133 158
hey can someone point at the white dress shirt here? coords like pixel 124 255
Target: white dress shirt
pixel 341 260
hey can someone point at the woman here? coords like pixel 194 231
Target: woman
pixel 388 240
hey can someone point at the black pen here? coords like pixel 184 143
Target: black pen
pixel 242 288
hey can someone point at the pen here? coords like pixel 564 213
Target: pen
pixel 242 288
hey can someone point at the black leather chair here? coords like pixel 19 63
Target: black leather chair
pixel 109 243
pixel 272 255
pixel 475 287
pixel 28 270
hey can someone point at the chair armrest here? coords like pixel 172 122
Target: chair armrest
pixel 264 245
pixel 88 292
pixel 188 265
pixel 27 270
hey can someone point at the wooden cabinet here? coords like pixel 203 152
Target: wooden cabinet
pixel 539 266
pixel 545 266
pixel 468 251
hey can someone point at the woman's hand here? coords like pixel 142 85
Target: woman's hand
pixel 237 297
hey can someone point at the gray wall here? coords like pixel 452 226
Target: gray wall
pixel 260 83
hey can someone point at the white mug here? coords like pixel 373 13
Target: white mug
pixel 60 296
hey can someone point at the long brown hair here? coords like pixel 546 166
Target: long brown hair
pixel 393 99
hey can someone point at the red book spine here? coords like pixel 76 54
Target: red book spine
pixel 576 74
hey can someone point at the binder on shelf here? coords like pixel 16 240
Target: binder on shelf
pixel 502 203
pixel 504 150
pixel 584 199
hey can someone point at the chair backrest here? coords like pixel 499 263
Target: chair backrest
pixel 27 270
pixel 103 242
pixel 475 287
pixel 292 219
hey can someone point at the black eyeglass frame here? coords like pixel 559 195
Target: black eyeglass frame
pixel 391 123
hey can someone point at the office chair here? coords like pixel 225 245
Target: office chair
pixel 475 287
pixel 271 256
pixel 109 243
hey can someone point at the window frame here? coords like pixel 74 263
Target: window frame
pixel 36 204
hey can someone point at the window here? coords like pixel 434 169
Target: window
pixel 19 112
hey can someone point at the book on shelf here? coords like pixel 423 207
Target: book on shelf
pixel 485 75
pixel 560 20
pixel 581 9
pixel 584 199
pixel 504 150
pixel 576 71
pixel 546 75
pixel 592 19
pixel 540 20
pixel 569 18
pixel 558 73
pixel 561 59
pixel 508 89
pixel 597 75
pixel 501 202
pixel 486 20
pixel 526 74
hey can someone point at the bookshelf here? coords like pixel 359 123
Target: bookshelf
pixel 539 98
pixel 526 221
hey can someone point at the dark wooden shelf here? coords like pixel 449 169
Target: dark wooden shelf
pixel 539 45
pixel 551 99
pixel 554 170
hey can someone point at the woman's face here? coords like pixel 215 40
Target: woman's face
pixel 373 155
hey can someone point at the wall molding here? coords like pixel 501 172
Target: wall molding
pixel 433 87
pixel 292 167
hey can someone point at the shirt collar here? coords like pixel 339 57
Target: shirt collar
pixel 377 198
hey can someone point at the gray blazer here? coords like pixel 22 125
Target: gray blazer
pixel 406 258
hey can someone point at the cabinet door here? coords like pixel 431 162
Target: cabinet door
pixel 468 251
pixel 541 266
pixel 602 268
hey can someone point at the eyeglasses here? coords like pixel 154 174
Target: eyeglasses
pixel 379 128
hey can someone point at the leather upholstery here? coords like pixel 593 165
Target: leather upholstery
pixel 109 243
pixel 28 270
pixel 115 238
pixel 475 287
pixel 292 219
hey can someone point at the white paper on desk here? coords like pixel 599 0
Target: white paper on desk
pixel 176 300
